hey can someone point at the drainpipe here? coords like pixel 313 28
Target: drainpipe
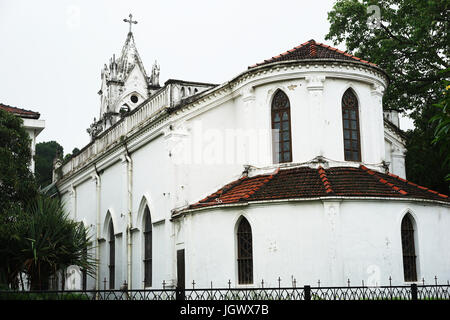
pixel 96 176
pixel 130 225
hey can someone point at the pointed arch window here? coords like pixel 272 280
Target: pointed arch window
pixel 409 248
pixel 245 253
pixel 281 126
pixel 350 122
pixel 112 256
pixel 147 248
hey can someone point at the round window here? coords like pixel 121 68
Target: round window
pixel 134 98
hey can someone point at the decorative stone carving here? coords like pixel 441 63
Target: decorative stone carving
pixel 154 78
pixel 248 94
pixel 377 90
pixel 315 83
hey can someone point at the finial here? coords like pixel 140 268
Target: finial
pixel 130 21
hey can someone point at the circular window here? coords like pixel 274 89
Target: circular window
pixel 134 98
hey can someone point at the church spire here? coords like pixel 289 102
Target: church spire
pixel 125 84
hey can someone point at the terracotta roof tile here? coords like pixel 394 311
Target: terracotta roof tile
pixel 305 182
pixel 312 50
pixel 20 112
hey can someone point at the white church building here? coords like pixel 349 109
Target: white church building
pixel 290 169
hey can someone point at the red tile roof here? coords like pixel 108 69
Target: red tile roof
pixel 313 50
pixel 306 182
pixel 20 112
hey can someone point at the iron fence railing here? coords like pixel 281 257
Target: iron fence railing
pixel 406 292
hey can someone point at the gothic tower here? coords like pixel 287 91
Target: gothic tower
pixel 124 85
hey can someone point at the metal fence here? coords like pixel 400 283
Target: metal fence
pixel 406 292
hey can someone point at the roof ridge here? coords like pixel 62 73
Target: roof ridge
pixel 324 178
pixel 284 53
pixel 313 53
pixel 417 186
pixel 383 181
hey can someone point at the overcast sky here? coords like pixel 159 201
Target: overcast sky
pixel 53 51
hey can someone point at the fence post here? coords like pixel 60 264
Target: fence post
pixel 124 289
pixel 413 291
pixel 179 293
pixel 307 292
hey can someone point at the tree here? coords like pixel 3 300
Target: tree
pixel 17 186
pixel 17 183
pixel 423 160
pixel 410 41
pixel 51 241
pixel 442 131
pixel 68 156
pixel 45 154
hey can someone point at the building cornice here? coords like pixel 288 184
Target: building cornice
pixel 182 212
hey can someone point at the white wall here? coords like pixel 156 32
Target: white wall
pixel 33 127
pixel 314 240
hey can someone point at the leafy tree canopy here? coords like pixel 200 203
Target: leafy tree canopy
pixel 17 183
pixel 45 154
pixel 442 132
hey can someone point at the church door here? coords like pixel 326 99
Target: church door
pixel 180 274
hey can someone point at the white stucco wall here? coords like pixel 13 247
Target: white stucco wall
pixel 33 127
pixel 311 240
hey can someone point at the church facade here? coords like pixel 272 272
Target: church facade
pixel 289 170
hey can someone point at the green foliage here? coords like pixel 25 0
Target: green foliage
pixel 17 185
pixel 45 154
pixel 16 181
pixel 68 156
pixel 442 130
pixel 51 241
pixel 411 43
pixel 10 240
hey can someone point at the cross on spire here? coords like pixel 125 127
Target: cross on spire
pixel 130 21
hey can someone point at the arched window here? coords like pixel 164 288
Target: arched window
pixel 281 122
pixel 350 122
pixel 245 255
pixel 147 248
pixel 409 249
pixel 112 256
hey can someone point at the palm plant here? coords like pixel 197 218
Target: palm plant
pixel 10 245
pixel 51 241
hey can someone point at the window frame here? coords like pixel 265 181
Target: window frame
pixel 112 256
pixel 279 157
pixel 409 251
pixel 244 260
pixel 354 108
pixel 148 245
